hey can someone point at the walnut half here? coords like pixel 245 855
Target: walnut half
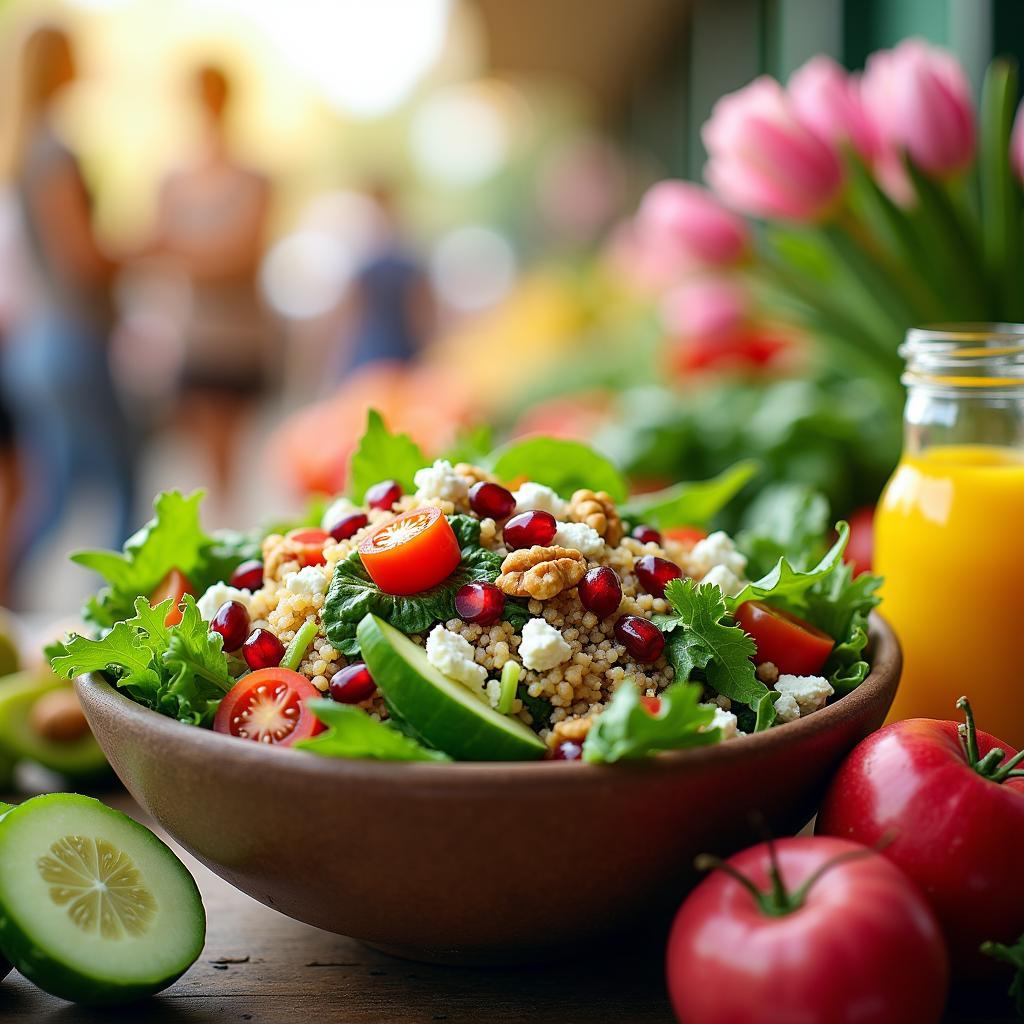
pixel 598 511
pixel 541 572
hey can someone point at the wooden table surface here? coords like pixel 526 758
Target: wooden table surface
pixel 262 967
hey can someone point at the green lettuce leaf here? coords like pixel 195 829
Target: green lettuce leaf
pixel 564 466
pixel 381 455
pixel 790 586
pixel 180 671
pixel 539 708
pixel 172 539
pixel 786 520
pixel 627 730
pixel 836 601
pixel 846 668
pixel 352 594
pixel 701 640
pixel 352 733
pixel 689 504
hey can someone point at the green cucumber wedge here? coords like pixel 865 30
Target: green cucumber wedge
pixel 440 709
pixel 94 908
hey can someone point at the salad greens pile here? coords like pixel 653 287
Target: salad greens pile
pixel 181 669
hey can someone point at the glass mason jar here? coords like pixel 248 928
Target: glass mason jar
pixel 949 529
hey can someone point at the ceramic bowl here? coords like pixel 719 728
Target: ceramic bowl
pixel 477 863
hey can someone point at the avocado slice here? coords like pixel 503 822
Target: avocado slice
pixel 70 752
pixel 440 709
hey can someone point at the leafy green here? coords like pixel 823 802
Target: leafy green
pixel 791 585
pixel 222 553
pixel 846 668
pixel 564 466
pixel 173 539
pixel 786 520
pixel 382 455
pixel 539 708
pixel 1014 956
pixel 473 445
pixel 689 504
pixel 627 730
pixel 764 711
pixel 702 641
pixel 352 594
pixel 352 733
pixel 834 602
pixel 180 671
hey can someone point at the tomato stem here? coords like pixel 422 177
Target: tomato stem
pixel 990 766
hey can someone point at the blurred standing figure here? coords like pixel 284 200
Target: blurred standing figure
pixel 390 305
pixel 55 368
pixel 211 224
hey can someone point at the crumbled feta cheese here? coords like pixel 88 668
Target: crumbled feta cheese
pixel 440 481
pixel 727 722
pixel 543 646
pixel 218 594
pixel 493 691
pixel 452 655
pixel 718 549
pixel 809 692
pixel 313 579
pixel 335 512
pixel 725 579
pixel 786 708
pixel 585 539
pixel 532 495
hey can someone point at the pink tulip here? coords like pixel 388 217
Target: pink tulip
pixel 828 101
pixel 644 263
pixel 688 217
pixel 705 307
pixel 918 97
pixel 1017 143
pixel 764 161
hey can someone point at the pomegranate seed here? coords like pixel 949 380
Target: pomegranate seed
pixel 529 528
pixel 262 650
pixel 352 684
pixel 646 534
pixel 600 591
pixel 384 495
pixel 248 576
pixel 348 526
pixel 232 622
pixel 492 500
pixel 567 750
pixel 656 573
pixel 480 603
pixel 641 638
pixel 653 704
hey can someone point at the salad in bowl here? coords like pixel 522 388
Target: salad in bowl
pixel 518 605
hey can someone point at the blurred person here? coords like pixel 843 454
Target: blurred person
pixel 55 368
pixel 390 308
pixel 211 225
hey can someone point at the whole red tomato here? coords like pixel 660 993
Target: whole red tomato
pixel 827 931
pixel 860 549
pixel 952 801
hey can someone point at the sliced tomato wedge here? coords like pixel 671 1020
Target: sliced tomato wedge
pixel 412 552
pixel 794 646
pixel 652 704
pixel 174 585
pixel 685 534
pixel 268 706
pixel 310 544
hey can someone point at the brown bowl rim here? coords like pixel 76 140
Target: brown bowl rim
pixel 886 659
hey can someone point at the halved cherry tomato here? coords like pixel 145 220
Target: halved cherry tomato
pixel 685 534
pixel 412 552
pixel 791 644
pixel 175 585
pixel 310 545
pixel 268 707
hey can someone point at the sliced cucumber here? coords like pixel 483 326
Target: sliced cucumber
pixel 93 907
pixel 75 756
pixel 440 709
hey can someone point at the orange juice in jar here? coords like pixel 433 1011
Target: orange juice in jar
pixel 949 530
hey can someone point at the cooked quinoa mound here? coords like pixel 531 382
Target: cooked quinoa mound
pixel 583 680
